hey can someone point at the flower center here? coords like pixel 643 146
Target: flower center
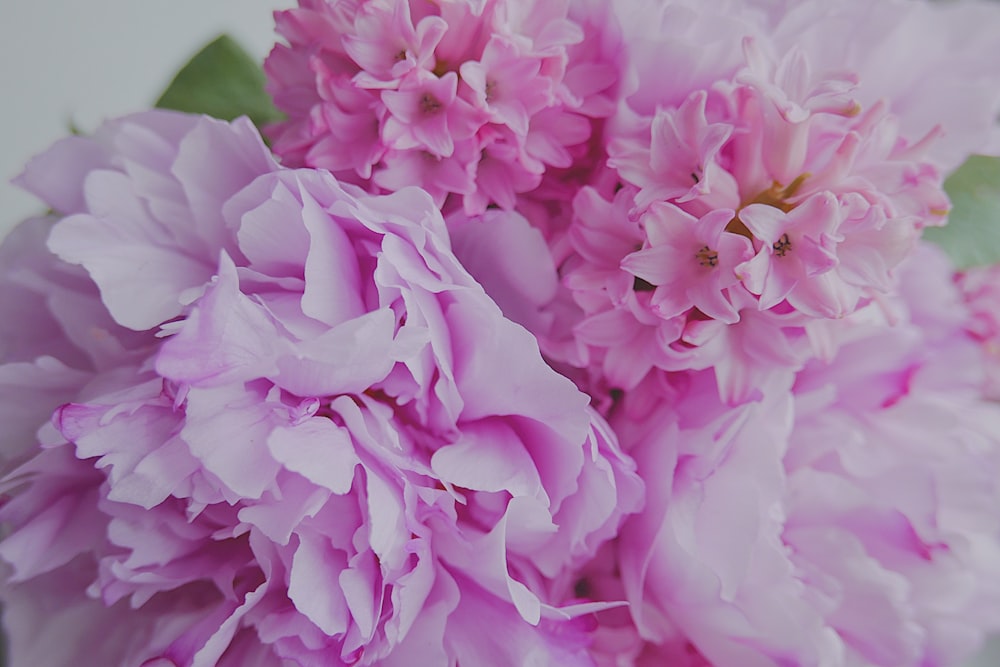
pixel 429 104
pixel 782 245
pixel 707 257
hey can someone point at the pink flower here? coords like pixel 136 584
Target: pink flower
pixel 317 439
pixel 691 262
pixel 387 45
pixel 507 85
pixel 391 76
pixel 424 113
pixel 675 160
pixel 907 55
pixel 767 152
pixel 797 251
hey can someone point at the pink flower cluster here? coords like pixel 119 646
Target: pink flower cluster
pixel 736 213
pixel 471 99
pixel 595 333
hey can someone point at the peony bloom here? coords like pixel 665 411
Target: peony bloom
pixel 293 430
pixel 473 101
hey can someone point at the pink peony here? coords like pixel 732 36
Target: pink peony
pixel 470 100
pixel 293 429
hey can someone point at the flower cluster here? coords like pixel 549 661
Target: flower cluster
pixel 466 98
pixel 596 333
pixel 736 211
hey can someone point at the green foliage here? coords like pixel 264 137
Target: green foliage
pixel 222 81
pixel 972 235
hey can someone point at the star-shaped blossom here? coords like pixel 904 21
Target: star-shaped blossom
pixel 676 160
pixel 797 251
pixel 691 261
pixel 426 113
pixel 506 84
pixel 386 44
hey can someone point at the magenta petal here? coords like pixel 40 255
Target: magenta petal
pixel 347 358
pixel 317 567
pixel 142 281
pixel 57 175
pixel 318 450
pixel 62 529
pixel 426 643
pixel 331 261
pixel 487 633
pixel 227 430
pixel 488 456
pixel 226 336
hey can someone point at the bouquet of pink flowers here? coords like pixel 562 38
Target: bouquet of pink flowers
pixel 503 333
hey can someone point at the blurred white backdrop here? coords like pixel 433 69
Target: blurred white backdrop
pixel 66 61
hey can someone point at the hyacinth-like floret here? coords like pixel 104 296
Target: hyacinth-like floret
pixel 468 99
pixel 857 506
pixel 287 427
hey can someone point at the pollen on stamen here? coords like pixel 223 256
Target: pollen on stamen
pixel 782 245
pixel 430 104
pixel 707 257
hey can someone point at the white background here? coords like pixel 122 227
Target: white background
pixel 81 61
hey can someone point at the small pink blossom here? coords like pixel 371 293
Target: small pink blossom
pixel 387 45
pixel 797 250
pixel 676 159
pixel 691 262
pixel 507 85
pixel 425 114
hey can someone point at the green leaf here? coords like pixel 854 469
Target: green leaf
pixel 223 81
pixel 972 235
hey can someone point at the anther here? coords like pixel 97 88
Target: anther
pixel 707 257
pixel 782 245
